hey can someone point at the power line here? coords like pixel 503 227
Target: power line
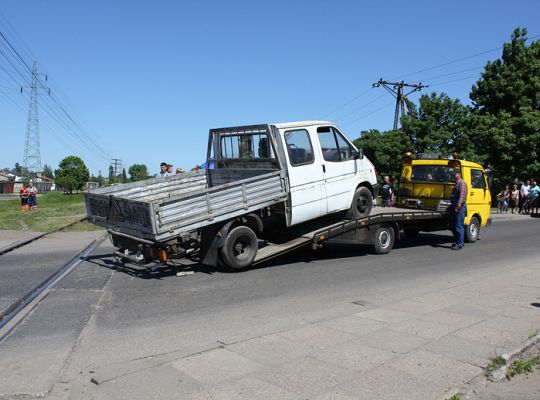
pixel 347 103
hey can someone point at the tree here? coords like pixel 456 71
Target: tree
pixel 138 172
pixel 507 110
pixel 440 126
pixel 72 174
pixel 19 170
pixel 124 176
pixel 47 171
pixel 385 150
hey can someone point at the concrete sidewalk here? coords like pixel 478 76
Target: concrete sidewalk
pixel 423 347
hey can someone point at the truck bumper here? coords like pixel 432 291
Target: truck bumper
pixel 489 222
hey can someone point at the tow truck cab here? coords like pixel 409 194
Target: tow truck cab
pixel 427 181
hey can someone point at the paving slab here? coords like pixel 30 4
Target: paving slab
pixel 489 335
pixel 390 383
pixel 215 366
pixel 354 356
pixel 454 319
pixel 414 307
pixel 270 349
pixel 466 350
pixel 306 376
pixel 426 329
pixel 442 372
pixel 10 237
pixel 247 388
pixel 397 342
pixel 316 336
pixel 354 324
pixel 386 315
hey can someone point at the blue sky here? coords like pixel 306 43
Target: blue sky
pixel 146 80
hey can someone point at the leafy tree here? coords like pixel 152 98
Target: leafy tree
pixel 441 126
pixel 506 102
pixel 138 172
pixel 72 174
pixel 385 150
pixel 47 171
pixel 124 176
pixel 19 170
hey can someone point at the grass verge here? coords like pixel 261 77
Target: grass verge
pixel 55 209
pixel 522 367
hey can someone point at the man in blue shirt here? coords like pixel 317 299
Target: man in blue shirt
pixel 458 210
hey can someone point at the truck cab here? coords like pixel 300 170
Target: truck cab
pixel 427 181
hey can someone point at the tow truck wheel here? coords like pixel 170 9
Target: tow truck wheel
pixel 384 240
pixel 361 204
pixel 239 249
pixel 472 230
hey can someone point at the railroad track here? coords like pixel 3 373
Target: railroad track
pixel 19 309
pixel 22 243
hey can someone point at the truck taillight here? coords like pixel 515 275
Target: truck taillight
pixel 162 256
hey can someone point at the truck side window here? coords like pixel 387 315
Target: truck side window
pixel 299 147
pixel 333 145
pixel 477 179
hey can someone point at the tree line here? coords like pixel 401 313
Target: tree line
pixel 500 129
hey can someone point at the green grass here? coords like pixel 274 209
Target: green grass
pixel 523 367
pixel 55 209
pixel 494 364
pixel 457 396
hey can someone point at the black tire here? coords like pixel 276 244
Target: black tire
pixel 472 231
pixel 361 204
pixel 239 249
pixel 383 240
pixel 411 232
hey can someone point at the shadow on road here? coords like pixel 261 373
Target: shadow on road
pixel 329 251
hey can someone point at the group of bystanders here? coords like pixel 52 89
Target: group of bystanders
pixel 522 198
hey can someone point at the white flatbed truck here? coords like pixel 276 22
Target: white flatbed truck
pixel 267 189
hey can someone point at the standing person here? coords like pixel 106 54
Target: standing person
pixel 534 197
pixel 502 199
pixel 163 170
pixel 179 171
pixel 387 193
pixel 458 210
pixel 23 194
pixel 169 169
pixel 525 191
pixel 32 196
pixel 514 198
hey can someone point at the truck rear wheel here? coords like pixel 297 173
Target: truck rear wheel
pixel 472 231
pixel 384 239
pixel 239 249
pixel 361 204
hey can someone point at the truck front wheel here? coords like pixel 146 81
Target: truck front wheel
pixel 239 249
pixel 472 230
pixel 361 204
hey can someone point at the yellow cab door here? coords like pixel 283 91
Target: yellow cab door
pixel 479 197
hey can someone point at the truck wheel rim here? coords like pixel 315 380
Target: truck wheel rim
pixel 384 239
pixel 473 229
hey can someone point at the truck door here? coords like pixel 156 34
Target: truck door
pixel 305 176
pixel 339 166
pixel 479 197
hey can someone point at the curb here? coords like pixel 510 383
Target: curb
pixel 500 373
pixel 12 247
pixel 514 355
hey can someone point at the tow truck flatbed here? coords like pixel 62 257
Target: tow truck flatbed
pixel 355 231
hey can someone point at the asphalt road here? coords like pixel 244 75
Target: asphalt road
pixel 103 317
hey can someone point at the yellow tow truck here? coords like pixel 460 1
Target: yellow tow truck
pixel 427 181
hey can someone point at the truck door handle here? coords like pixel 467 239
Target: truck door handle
pixel 323 168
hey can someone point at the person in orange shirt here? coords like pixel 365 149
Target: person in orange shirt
pixel 23 194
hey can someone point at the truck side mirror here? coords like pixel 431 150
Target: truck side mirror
pixel 358 154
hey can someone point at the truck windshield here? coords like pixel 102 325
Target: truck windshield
pixel 433 173
pixel 246 146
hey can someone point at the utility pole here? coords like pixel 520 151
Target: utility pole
pixel 116 165
pixel 32 148
pixel 396 90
